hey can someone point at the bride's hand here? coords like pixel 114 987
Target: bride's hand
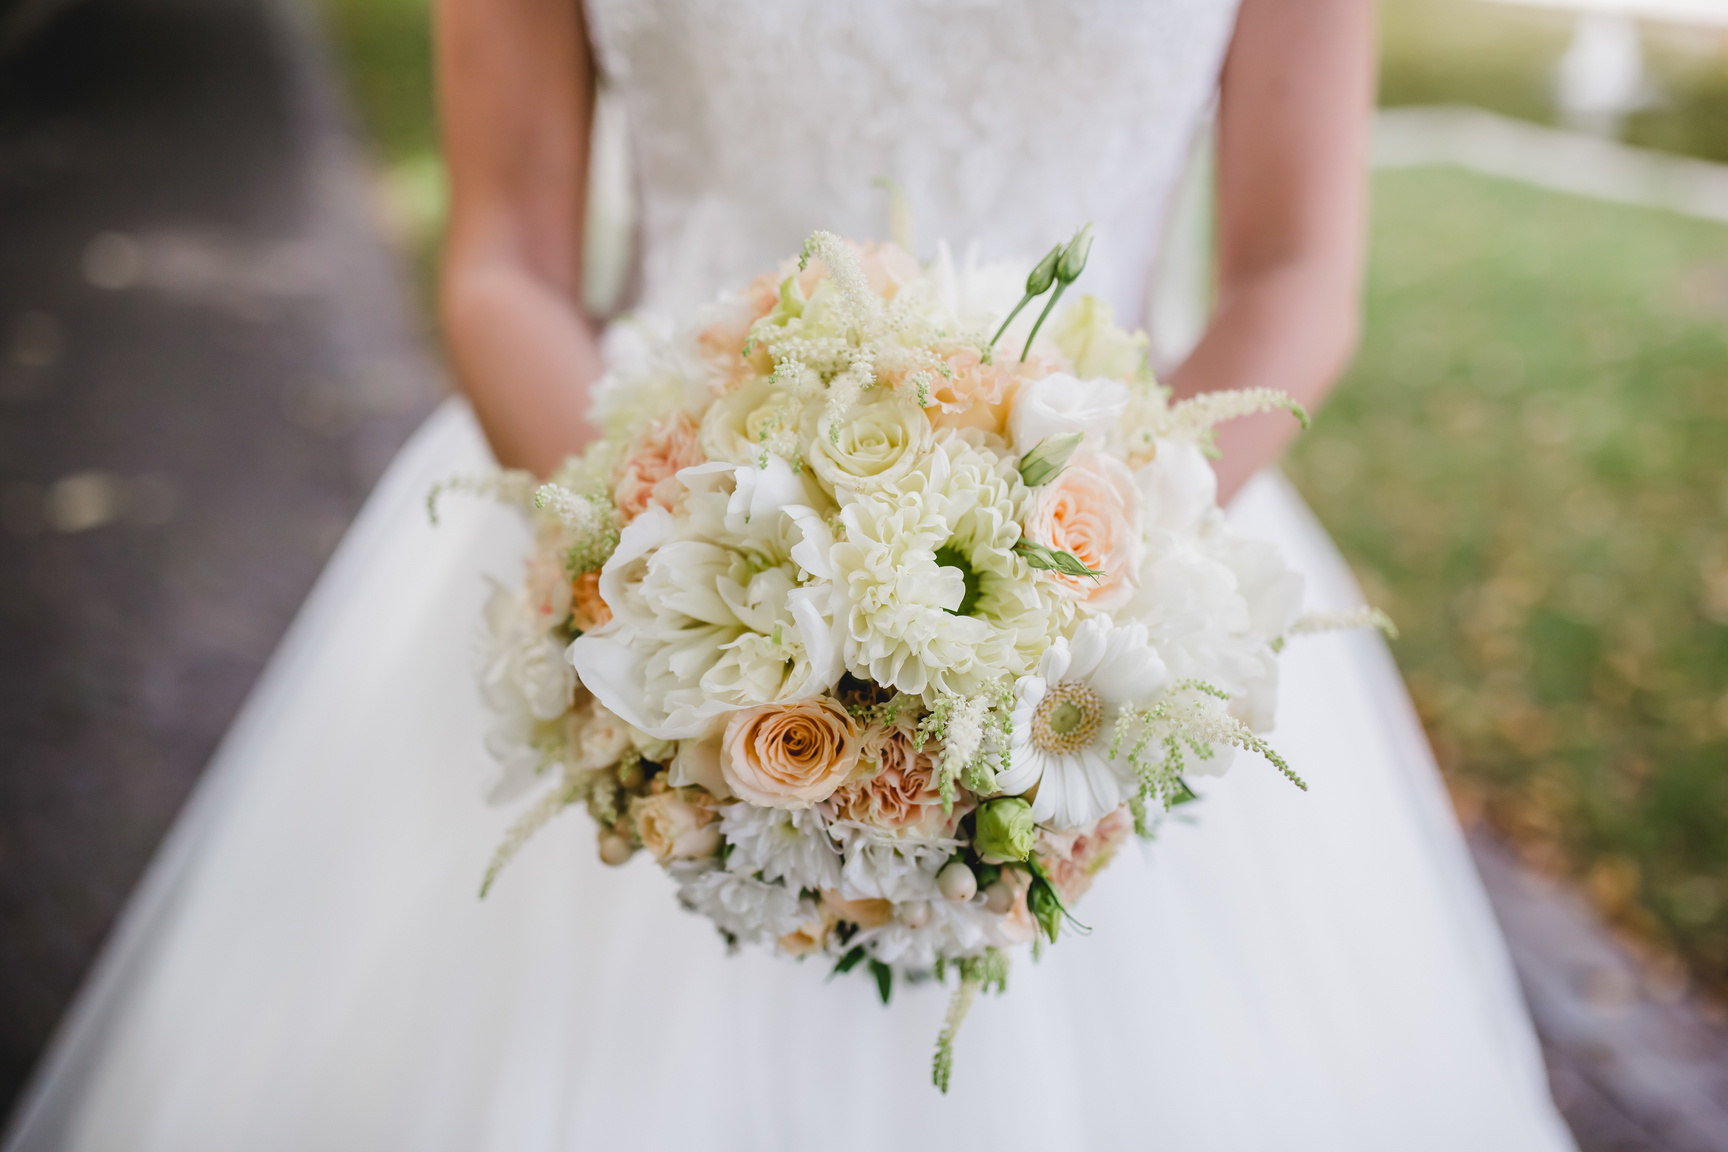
pixel 1294 111
pixel 516 94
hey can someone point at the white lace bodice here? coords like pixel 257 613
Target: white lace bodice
pixel 1008 124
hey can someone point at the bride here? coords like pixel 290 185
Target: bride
pixel 307 967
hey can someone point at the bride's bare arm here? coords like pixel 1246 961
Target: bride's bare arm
pixel 1293 122
pixel 516 94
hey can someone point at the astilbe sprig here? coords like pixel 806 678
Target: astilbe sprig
pixel 1189 720
pixel 1351 618
pixel 511 486
pixel 590 521
pixel 985 973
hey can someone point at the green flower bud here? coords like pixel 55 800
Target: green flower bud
pixel 1004 830
pixel 1073 260
pixel 1047 458
pixel 1044 275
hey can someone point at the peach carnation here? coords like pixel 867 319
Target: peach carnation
pixel 548 581
pixel 966 392
pixel 1072 859
pixel 901 795
pixel 789 755
pixel 588 610
pixel 646 475
pixel 1092 511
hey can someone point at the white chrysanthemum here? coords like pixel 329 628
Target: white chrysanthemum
pixel 751 910
pixel 1065 718
pixel 879 865
pixel 935 600
pixel 792 846
pixel 726 606
pixel 951 932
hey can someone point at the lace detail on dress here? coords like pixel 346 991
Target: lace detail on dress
pixel 754 122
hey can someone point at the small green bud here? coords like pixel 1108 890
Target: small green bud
pixel 1073 260
pixel 1047 458
pixel 1045 906
pixel 1004 830
pixel 1044 274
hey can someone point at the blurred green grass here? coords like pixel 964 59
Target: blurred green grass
pixel 1528 467
pixel 1528 463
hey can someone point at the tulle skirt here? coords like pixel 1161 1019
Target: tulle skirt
pixel 308 966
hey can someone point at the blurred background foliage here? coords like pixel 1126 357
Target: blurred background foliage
pixel 1527 464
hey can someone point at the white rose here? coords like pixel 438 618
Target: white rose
pixel 873 446
pixel 603 738
pixel 546 681
pixel 1059 403
pixel 759 417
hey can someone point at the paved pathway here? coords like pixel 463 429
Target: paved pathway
pixel 205 363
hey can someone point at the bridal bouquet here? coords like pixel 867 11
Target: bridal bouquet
pixel 885 612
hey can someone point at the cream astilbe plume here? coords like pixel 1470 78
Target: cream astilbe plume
pixel 1152 417
pixel 507 487
pixel 1191 720
pixel 589 520
pixel 1311 622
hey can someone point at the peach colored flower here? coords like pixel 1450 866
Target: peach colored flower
pixel 587 610
pixel 646 475
pixel 1091 510
pixel 721 344
pixel 887 267
pixel 789 755
pixel 900 793
pixel 810 936
pixel 866 913
pixel 1072 859
pixel 1017 925
pixel 672 827
pixel 548 582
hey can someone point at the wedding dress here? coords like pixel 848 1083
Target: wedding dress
pixel 307 965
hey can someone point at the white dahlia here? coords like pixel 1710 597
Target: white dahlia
pixel 724 607
pixel 1065 718
pixel 933 598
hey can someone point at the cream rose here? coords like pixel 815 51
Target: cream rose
pixel 760 417
pixel 651 461
pixel 874 445
pixel 672 828
pixel 603 738
pixel 789 755
pixel 1092 511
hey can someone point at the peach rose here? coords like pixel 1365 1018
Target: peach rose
pixel 588 610
pixel 867 913
pixel 1016 925
pixel 646 473
pixel 901 794
pixel 789 755
pixel 673 828
pixel 1092 511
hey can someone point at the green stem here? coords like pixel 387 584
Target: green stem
pixel 1024 300
pixel 1061 287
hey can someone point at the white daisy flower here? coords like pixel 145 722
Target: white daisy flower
pixel 1065 718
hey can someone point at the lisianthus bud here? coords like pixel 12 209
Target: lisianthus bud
pixel 1044 274
pixel 1073 261
pixel 1004 831
pixel 957 882
pixel 1047 458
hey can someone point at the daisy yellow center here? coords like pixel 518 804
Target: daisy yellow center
pixel 1067 719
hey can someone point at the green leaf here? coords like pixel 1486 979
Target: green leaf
pixel 849 961
pixel 884 979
